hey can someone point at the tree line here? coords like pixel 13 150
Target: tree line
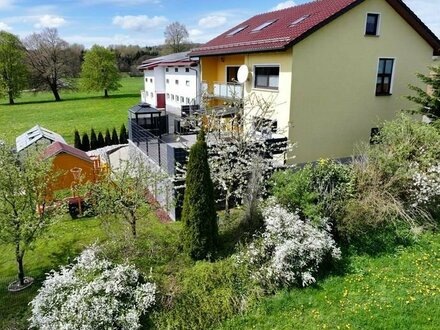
pixel 45 62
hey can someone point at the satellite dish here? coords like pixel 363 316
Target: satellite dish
pixel 243 74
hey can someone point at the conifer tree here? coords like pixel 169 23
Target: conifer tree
pixel 123 135
pixel 77 142
pixel 199 217
pixel 108 138
pixel 429 98
pixel 93 140
pixel 85 143
pixel 115 139
pixel 101 142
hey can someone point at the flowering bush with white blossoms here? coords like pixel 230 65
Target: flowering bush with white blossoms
pixel 92 294
pixel 290 250
pixel 426 185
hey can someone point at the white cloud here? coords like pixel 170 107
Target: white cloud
pixel 139 23
pixel 5 27
pixel 428 12
pixel 50 21
pixel 284 5
pixel 195 33
pixel 212 21
pixel 6 4
pixel 118 39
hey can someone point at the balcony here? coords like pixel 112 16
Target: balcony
pixel 221 90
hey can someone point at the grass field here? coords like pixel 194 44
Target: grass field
pixel 61 244
pixel 76 110
pixel 397 291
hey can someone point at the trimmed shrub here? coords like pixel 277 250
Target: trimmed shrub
pixel 77 140
pixel 123 135
pixel 200 228
pixel 108 138
pixel 115 139
pixel 93 140
pixel 85 143
pixel 101 142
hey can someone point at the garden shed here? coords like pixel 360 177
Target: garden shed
pixel 71 163
pixel 37 136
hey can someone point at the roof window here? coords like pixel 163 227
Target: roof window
pixel 237 30
pixel 264 25
pixel 299 20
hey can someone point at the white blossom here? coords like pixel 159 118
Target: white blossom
pixel 290 250
pixel 92 294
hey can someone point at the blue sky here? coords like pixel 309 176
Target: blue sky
pixel 142 22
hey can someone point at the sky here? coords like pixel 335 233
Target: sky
pixel 142 22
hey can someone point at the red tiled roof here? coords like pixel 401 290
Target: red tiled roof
pixel 58 147
pixel 282 34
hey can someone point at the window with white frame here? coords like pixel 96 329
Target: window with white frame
pixel 372 25
pixel 176 69
pixel 267 77
pixel 384 76
pixel 187 83
pixel 168 81
pixel 186 69
pixel 167 69
pixel 168 96
pixel 177 82
pixel 182 99
pixel 188 100
pixel 172 97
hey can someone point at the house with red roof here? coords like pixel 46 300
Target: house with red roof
pixel 335 69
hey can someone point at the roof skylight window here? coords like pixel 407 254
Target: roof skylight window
pixel 237 30
pixel 299 20
pixel 264 25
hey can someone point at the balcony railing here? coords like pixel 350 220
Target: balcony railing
pixel 227 90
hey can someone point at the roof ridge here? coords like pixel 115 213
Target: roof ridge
pixel 246 43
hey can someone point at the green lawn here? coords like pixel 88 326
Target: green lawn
pixel 76 110
pixel 64 241
pixel 397 291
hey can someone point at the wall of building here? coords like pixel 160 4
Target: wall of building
pixel 333 101
pixel 280 99
pixel 63 163
pixel 214 67
pixel 184 92
pixel 149 93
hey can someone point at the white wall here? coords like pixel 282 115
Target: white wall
pixel 149 93
pixel 183 93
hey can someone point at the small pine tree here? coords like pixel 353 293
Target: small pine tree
pixel 115 139
pixel 199 217
pixel 77 142
pixel 428 99
pixel 85 144
pixel 123 135
pixel 101 142
pixel 93 140
pixel 108 138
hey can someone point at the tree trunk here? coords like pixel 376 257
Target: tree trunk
pixel 19 257
pixel 133 228
pixel 105 93
pixel 11 99
pixel 55 93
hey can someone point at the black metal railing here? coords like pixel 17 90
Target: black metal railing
pixel 152 146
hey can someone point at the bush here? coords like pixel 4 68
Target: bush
pixel 93 140
pixel 208 294
pixel 290 250
pixel 123 135
pixel 85 143
pixel 92 294
pixel 316 190
pixel 108 138
pixel 77 140
pixel 115 139
pixel 101 142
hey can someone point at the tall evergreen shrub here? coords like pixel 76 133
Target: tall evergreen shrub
pixel 93 140
pixel 115 139
pixel 85 144
pixel 123 135
pixel 199 217
pixel 108 138
pixel 101 142
pixel 77 142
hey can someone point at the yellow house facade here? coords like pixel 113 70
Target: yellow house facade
pixel 334 71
